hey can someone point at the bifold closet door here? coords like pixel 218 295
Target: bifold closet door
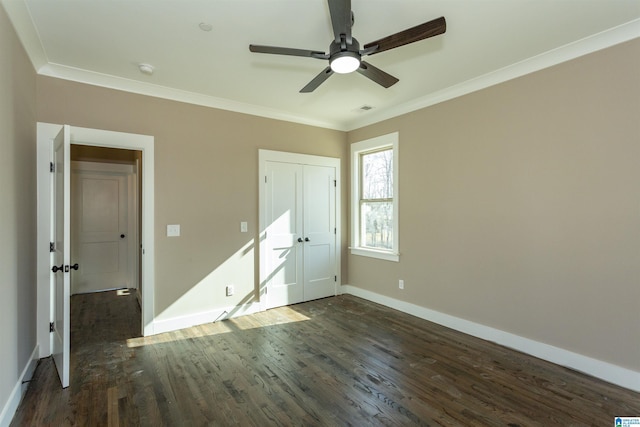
pixel 300 233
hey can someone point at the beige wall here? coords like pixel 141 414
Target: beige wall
pixel 206 169
pixel 519 203
pixel 519 207
pixel 17 209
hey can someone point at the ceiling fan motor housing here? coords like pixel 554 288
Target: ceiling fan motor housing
pixel 341 51
pixel 342 46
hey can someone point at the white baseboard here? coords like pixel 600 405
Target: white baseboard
pixel 606 371
pixel 181 322
pixel 9 409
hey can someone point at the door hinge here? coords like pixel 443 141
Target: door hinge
pixel 52 167
pixel 335 182
pixel 335 231
pixel 265 179
pixel 335 278
pixel 52 247
pixel 51 327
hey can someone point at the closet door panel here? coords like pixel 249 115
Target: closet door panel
pixel 319 231
pixel 284 226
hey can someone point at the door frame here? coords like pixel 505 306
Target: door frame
pixel 99 138
pixel 265 156
pixel 128 171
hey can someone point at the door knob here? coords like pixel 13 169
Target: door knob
pixel 122 236
pixel 306 239
pixel 300 239
pixel 75 266
pixel 55 268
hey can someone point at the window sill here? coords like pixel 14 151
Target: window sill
pixel 372 253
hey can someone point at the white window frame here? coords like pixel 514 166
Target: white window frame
pixel 378 143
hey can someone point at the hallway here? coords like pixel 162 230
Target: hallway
pixel 101 323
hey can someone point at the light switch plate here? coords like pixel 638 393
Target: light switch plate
pixel 173 230
pixel 243 227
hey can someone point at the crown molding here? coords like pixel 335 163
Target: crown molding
pixel 21 18
pixel 143 88
pixel 596 42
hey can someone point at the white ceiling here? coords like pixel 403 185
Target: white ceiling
pixel 487 41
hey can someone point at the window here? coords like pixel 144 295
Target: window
pixel 374 204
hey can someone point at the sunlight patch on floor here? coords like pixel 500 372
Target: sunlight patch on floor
pixel 273 317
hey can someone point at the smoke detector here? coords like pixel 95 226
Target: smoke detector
pixel 146 69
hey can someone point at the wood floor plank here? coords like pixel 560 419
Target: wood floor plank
pixel 339 361
pixel 113 415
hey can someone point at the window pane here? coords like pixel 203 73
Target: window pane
pixel 377 175
pixel 376 225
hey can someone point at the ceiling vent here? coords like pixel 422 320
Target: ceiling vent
pixel 363 109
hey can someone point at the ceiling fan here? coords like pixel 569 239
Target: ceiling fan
pixel 345 55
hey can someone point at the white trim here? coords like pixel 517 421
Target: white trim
pixel 10 407
pixel 44 260
pixel 383 141
pixel 301 159
pixel 20 17
pixel 133 183
pixel 189 320
pixel 371 253
pixel 594 43
pixel 102 138
pixel 618 375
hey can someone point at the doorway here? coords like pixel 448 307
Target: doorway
pixel 46 284
pixel 105 219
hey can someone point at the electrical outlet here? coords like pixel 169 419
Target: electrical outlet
pixel 401 284
pixel 230 290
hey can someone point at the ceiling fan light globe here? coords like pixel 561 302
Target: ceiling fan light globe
pixel 345 64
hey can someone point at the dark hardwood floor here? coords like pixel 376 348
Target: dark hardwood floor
pixel 333 362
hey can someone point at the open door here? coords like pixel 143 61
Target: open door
pixel 61 269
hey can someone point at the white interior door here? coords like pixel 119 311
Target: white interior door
pixel 299 258
pixel 283 214
pixel 61 255
pixel 319 201
pixel 100 232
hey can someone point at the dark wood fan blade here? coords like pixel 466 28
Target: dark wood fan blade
pixel 377 75
pixel 340 11
pixel 414 34
pixel 317 80
pixel 287 51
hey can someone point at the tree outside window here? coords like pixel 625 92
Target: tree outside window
pixel 374 198
pixel 376 202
